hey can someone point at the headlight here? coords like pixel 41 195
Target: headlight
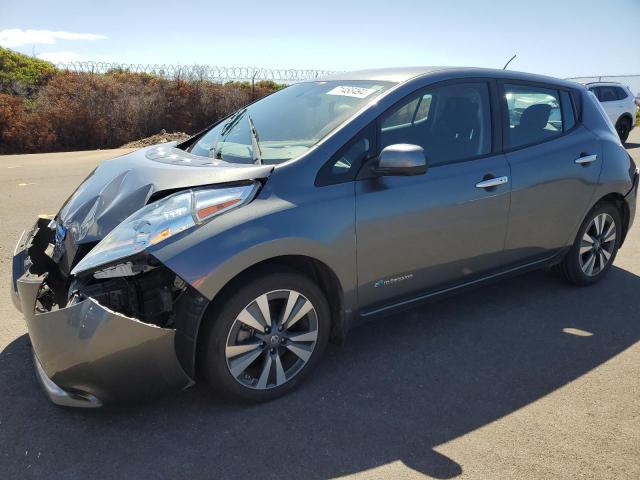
pixel 160 220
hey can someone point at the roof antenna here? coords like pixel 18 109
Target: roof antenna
pixel 507 64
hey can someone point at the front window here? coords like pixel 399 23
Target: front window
pixel 288 122
pixel 450 122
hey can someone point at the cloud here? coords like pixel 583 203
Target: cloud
pixel 16 37
pixel 60 57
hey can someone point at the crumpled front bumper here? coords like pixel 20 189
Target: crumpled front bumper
pixel 87 355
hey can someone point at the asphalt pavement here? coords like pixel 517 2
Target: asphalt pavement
pixel 527 378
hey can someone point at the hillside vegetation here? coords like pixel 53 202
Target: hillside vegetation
pixel 43 109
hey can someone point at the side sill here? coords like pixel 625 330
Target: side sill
pixel 410 302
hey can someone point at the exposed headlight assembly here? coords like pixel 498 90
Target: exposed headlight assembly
pixel 160 220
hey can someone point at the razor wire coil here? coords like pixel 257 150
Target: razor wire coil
pixel 212 73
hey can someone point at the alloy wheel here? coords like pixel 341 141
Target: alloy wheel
pixel 598 244
pixel 272 339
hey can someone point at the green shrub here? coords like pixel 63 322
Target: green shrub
pixel 270 85
pixel 128 74
pixel 23 75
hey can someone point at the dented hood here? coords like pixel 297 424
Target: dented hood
pixel 119 187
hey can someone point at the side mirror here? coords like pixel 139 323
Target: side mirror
pixel 401 159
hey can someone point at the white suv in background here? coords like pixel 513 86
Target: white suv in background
pixel 619 104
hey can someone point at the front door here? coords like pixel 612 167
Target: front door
pixel 424 232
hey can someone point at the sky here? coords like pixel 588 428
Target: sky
pixel 561 38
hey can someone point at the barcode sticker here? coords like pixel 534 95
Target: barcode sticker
pixel 357 92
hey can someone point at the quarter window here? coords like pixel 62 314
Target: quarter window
pixel 347 161
pixel 606 93
pixel 451 123
pixel 534 114
pixel 620 93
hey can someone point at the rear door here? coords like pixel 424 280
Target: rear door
pixel 555 165
pixel 418 233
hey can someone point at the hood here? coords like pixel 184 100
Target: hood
pixel 119 187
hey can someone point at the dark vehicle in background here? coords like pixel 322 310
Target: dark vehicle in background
pixel 235 256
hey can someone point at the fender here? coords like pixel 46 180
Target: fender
pixel 213 254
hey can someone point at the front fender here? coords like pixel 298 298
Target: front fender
pixel 319 226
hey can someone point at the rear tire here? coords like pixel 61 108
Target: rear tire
pixel 595 246
pixel 264 338
pixel 623 127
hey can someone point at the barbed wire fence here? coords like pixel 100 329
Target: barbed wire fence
pixel 222 74
pixel 211 73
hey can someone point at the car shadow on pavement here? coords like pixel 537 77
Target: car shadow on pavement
pixel 630 145
pixel 399 387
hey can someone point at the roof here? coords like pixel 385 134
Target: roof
pixel 615 84
pixel 397 74
pixel 404 74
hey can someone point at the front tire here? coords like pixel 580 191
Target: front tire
pixel 595 247
pixel 623 127
pixel 265 338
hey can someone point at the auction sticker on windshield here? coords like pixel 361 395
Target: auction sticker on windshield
pixel 357 92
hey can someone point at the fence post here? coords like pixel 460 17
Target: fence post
pixel 253 85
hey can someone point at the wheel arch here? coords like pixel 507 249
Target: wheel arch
pixel 625 115
pixel 316 270
pixel 620 203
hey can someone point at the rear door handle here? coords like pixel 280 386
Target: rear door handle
pixel 586 159
pixel 492 182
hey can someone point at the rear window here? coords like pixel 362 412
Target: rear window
pixel 534 114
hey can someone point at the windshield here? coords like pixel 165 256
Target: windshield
pixel 288 122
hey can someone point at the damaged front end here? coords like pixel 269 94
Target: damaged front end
pixel 114 336
pixel 108 322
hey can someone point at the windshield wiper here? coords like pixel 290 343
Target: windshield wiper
pixel 255 142
pixel 233 120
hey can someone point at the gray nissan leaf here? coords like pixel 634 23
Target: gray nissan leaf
pixel 233 257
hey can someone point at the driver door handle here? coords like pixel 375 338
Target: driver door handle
pixel 586 159
pixel 492 182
